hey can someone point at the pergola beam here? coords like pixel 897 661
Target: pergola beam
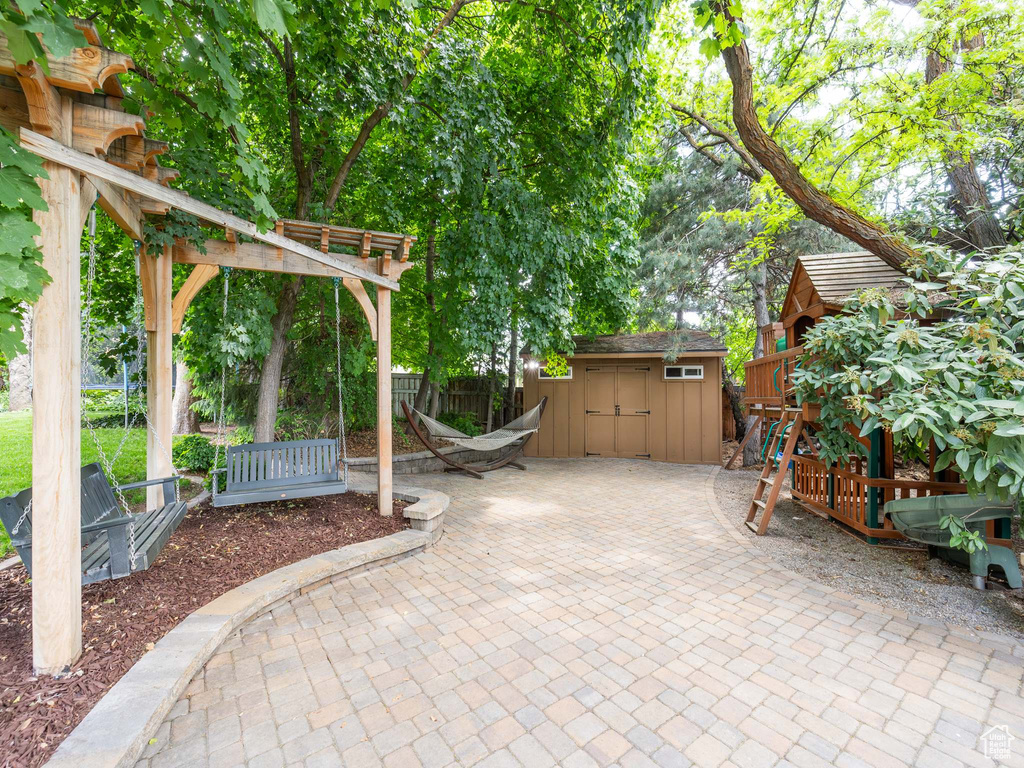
pixel 264 258
pixel 97 168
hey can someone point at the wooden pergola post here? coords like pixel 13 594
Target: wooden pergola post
pixel 56 424
pixel 384 418
pixel 159 365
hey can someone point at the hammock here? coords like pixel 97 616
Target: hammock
pixel 516 429
pixel 516 433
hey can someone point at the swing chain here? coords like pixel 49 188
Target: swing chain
pixel 223 375
pixel 341 399
pixel 107 462
pixel 22 519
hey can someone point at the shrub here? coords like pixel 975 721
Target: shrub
pixel 114 419
pixel 464 422
pixel 193 452
pixel 242 434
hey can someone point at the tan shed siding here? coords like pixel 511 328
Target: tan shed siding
pixel 659 422
pixel 685 424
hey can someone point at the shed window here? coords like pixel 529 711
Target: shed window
pixel 684 372
pixel 543 374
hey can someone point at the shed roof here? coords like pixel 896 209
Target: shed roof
pixel 682 341
pixel 835 276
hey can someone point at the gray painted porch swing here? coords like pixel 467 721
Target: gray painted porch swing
pixel 115 542
pixel 293 469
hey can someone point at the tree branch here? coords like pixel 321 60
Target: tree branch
pixel 814 203
pixel 384 109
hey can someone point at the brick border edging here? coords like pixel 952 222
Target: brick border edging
pixel 990 641
pixel 116 731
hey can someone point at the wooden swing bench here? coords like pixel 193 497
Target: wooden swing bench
pixel 115 543
pixel 294 469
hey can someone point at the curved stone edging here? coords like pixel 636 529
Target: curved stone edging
pixel 117 729
pixel 988 639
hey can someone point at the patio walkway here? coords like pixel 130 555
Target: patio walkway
pixel 592 612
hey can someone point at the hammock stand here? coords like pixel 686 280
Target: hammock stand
pixel 526 425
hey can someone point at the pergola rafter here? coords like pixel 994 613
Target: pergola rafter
pixel 73 117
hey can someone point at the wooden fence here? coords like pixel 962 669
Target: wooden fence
pixel 467 394
pixel 856 500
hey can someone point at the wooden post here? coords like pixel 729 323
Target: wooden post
pixel 874 470
pixel 56 425
pixel 158 377
pixel 384 400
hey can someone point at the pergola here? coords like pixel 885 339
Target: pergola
pixel 95 152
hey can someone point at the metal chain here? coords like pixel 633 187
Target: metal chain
pixel 22 519
pixel 223 372
pixel 341 398
pixel 108 463
pixel 105 460
pixel 132 557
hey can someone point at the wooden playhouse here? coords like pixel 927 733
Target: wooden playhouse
pixel 855 493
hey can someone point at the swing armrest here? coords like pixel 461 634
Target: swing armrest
pixel 102 525
pixel 169 484
pixel 144 483
pixel 213 478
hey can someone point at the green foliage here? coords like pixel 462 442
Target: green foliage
pixel 21 273
pixel 464 422
pixel 242 434
pixel 957 379
pixel 183 47
pixel 960 536
pixel 194 453
pixel 720 20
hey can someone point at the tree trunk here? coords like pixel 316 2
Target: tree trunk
pixel 970 198
pixel 19 371
pixel 186 421
pixel 492 387
pixel 759 287
pixel 435 399
pixel 734 406
pixel 423 391
pixel 513 367
pixel 812 201
pixel 270 374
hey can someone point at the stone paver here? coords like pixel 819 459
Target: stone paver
pixel 592 613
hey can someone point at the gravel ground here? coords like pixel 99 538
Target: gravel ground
pixel 901 578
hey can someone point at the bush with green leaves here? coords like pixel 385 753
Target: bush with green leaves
pixel 464 422
pixel 194 453
pixel 242 434
pixel 948 367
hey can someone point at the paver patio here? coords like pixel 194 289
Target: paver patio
pixel 592 612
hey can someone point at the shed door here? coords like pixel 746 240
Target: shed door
pixel 600 412
pixel 617 411
pixel 634 412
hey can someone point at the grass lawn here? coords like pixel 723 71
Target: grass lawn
pixel 16 461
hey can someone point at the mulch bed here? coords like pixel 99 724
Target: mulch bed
pixel 213 551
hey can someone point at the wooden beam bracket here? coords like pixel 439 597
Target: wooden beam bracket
pixel 200 275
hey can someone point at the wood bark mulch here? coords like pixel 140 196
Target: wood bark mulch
pixel 212 552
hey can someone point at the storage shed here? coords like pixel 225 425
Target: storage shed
pixel 620 397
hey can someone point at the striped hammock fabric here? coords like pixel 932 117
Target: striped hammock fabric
pixel 515 430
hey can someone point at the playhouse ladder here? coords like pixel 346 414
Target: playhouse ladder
pixel 795 417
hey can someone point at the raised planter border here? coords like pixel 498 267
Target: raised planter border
pixel 117 730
